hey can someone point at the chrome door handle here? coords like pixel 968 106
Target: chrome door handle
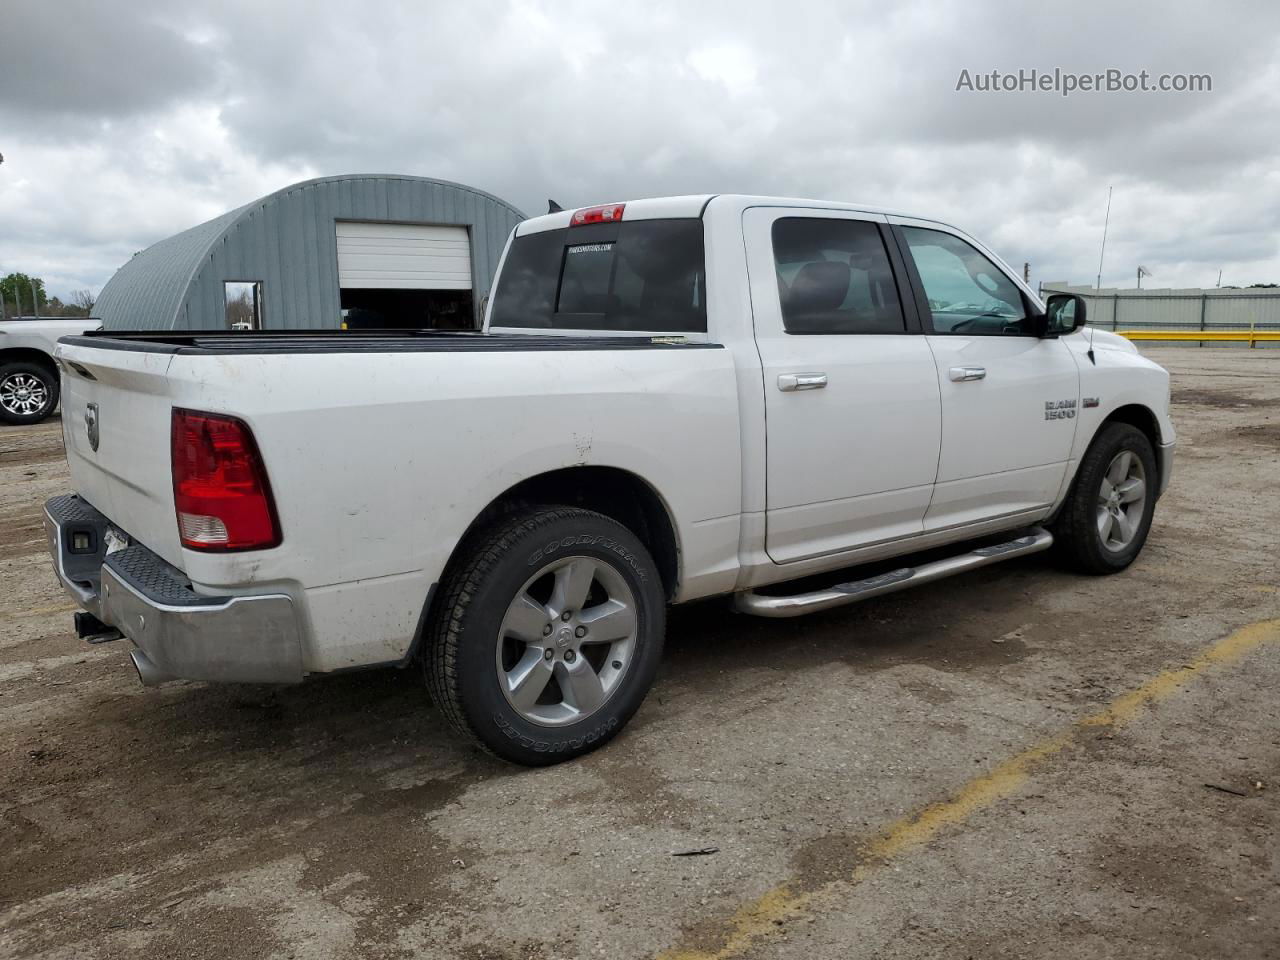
pixel 964 374
pixel 788 382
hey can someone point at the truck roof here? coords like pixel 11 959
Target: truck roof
pixel 693 205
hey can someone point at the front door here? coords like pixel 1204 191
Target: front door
pixel 1009 397
pixel 851 393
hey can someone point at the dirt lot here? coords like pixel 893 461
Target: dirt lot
pixel 1014 763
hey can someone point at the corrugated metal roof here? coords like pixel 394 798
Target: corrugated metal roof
pixel 146 292
pixel 287 240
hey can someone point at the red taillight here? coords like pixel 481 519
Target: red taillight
pixel 609 213
pixel 220 486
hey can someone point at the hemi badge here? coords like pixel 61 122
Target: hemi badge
pixel 1088 402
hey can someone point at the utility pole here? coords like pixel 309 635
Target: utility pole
pixel 1026 272
pixel 35 300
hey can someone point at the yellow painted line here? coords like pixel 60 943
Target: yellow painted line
pixel 1226 651
pixel 763 916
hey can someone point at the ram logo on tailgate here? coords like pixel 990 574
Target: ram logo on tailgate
pixel 91 425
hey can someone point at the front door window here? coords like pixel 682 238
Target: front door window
pixel 967 293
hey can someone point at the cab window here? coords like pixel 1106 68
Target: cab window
pixel 834 277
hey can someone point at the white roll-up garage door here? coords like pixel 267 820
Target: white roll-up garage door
pixel 403 256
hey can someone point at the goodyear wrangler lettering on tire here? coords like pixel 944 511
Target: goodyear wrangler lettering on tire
pixel 575 744
pixel 540 555
pixel 547 635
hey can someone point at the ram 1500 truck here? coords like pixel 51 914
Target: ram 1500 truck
pixel 670 399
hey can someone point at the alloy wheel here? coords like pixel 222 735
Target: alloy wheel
pixel 566 641
pixel 22 394
pixel 1122 498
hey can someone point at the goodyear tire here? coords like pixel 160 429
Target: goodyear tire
pixel 547 636
pixel 1107 516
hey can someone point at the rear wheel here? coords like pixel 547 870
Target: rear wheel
pixel 1107 516
pixel 28 393
pixel 548 635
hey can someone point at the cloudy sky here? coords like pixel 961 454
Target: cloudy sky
pixel 124 122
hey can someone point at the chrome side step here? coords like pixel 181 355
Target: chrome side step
pixel 799 604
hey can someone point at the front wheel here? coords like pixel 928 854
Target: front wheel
pixel 1107 516
pixel 548 635
pixel 28 393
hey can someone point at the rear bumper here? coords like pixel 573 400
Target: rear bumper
pixel 178 633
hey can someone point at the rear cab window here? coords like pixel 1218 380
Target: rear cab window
pixel 633 276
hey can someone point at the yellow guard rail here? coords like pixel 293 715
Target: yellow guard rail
pixel 1208 336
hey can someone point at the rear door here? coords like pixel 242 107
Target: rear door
pixel 1009 397
pixel 851 392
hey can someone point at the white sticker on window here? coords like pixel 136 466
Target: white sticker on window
pixel 591 248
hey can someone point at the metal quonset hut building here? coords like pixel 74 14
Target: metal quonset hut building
pixel 386 251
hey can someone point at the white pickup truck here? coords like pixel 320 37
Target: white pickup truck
pixel 671 399
pixel 28 374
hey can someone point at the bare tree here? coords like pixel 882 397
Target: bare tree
pixel 240 311
pixel 83 300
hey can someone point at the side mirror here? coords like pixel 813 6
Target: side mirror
pixel 1064 313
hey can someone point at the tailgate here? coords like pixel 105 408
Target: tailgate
pixel 121 399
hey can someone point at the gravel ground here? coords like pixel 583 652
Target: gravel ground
pixel 1014 763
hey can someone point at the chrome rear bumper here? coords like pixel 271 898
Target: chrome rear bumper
pixel 178 633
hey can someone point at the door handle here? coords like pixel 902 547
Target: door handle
pixel 789 382
pixel 964 374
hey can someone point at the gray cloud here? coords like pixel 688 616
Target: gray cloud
pixel 585 103
pixel 91 60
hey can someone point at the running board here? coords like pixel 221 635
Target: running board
pixel 801 603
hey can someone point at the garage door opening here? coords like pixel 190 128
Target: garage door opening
pixel 405 276
pixel 407 310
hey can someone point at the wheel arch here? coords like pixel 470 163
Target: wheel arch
pixel 30 355
pixel 617 493
pixel 1141 417
pixel 1136 415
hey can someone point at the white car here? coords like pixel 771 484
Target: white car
pixel 671 399
pixel 28 374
